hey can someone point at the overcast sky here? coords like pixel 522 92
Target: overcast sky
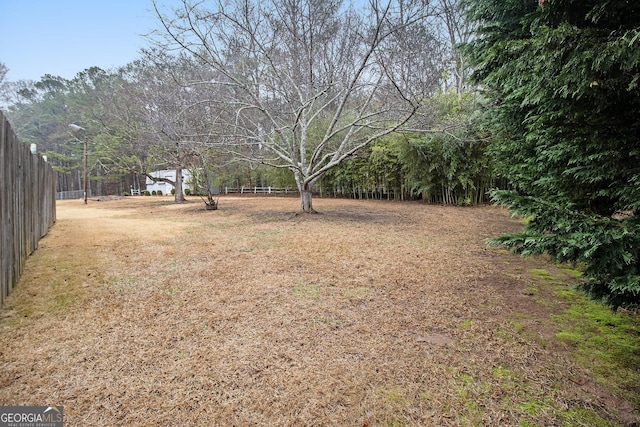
pixel 64 37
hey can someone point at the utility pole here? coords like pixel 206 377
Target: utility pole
pixel 86 170
pixel 85 182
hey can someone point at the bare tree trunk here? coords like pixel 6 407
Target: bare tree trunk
pixel 179 195
pixel 306 200
pixel 306 196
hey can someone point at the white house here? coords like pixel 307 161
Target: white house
pixel 165 187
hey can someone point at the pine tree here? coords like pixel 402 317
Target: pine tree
pixel 564 78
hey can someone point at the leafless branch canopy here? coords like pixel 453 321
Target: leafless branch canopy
pixel 304 84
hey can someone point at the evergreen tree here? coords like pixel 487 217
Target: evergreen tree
pixel 564 79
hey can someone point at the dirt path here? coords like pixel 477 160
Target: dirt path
pixel 140 312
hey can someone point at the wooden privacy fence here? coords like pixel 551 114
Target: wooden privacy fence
pixel 27 205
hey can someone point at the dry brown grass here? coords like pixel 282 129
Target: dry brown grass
pixel 140 312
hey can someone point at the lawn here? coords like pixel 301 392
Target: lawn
pixel 139 312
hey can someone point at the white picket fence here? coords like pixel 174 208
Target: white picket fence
pixel 256 190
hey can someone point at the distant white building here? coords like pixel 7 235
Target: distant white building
pixel 165 187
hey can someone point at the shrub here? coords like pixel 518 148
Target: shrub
pixel 173 191
pixel 125 194
pixel 146 193
pixel 159 192
pixel 153 193
pixel 187 191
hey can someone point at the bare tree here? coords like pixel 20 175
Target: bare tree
pixel 306 83
pixel 168 116
pixel 4 98
pixel 456 30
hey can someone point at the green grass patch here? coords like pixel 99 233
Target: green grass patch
pixel 534 407
pixel 356 293
pixel 546 406
pixel 517 326
pixel 502 373
pixel 583 417
pixel 307 291
pixel 541 274
pixel 572 272
pixel 59 285
pixel 63 300
pixel 467 395
pixel 394 395
pixel 566 294
pixel 569 337
pixel 465 324
pixel 605 342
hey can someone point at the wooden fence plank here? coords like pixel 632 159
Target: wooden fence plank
pixel 27 205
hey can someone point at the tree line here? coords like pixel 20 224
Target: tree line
pixel 302 86
pixel 531 104
pixel 564 80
